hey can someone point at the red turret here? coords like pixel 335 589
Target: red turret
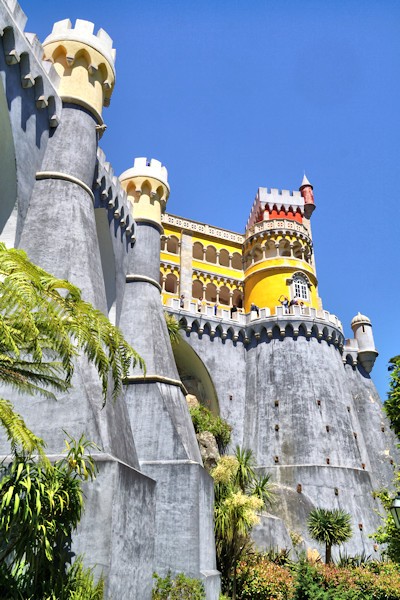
pixel 306 190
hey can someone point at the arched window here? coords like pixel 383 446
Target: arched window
pixel 171 283
pixel 224 258
pixel 270 250
pixel 211 254
pixel 198 251
pixel 284 248
pixel 297 250
pixel 257 254
pixel 237 299
pixel 211 293
pixel 237 261
pixel 173 245
pixel 224 295
pixel 300 287
pixel 163 241
pixel 197 289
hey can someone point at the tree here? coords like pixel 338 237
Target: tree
pixel 44 326
pixel 239 495
pixel 331 527
pixel 392 404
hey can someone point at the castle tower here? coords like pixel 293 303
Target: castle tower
pixel 60 235
pixel 278 249
pixel 163 431
pixel 363 335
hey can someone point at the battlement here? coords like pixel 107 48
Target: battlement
pixel 109 194
pixel 147 168
pixel 83 33
pixel 270 197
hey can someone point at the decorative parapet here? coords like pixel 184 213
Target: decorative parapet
pixel 25 50
pixel 281 199
pixel 278 226
pixel 202 228
pixel 305 321
pixel 109 194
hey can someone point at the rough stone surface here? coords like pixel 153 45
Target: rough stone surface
pixel 208 449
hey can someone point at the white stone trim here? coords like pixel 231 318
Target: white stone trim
pixel 40 175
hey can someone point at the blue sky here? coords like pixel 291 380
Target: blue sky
pixel 232 96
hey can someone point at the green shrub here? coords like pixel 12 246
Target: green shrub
pixel 204 420
pixel 261 579
pixel 180 588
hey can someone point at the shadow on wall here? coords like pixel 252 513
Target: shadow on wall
pixel 195 376
pixel 8 175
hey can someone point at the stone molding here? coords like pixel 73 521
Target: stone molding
pixel 41 175
pixel 131 278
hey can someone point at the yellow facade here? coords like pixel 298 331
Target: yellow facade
pixel 258 269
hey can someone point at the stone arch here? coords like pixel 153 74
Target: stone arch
pixel 237 261
pixel 224 295
pixel 270 250
pixel 211 254
pixel 8 174
pixel 298 251
pixel 224 258
pixel 211 292
pixel 195 376
pixel 197 289
pixel 173 244
pixel 303 330
pixel 284 248
pixel 257 254
pixel 198 251
pixel 237 298
pixel 171 283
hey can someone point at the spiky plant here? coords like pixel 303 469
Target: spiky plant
pixel 240 494
pixel 330 527
pixel 173 328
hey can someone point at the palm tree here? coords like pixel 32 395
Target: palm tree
pixel 331 527
pixel 44 325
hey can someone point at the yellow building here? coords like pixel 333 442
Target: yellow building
pixel 271 264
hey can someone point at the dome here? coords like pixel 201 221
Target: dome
pixel 360 319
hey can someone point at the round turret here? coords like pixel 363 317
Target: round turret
pixel 146 185
pixel 306 190
pixel 85 63
pixel 362 329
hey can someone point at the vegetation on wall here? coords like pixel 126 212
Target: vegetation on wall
pixel 177 588
pixel 204 420
pixel 392 403
pixel 239 495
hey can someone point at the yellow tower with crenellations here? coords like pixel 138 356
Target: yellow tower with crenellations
pixel 278 257
pixel 271 264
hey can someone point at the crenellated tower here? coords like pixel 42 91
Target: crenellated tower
pixel 164 436
pixel 85 63
pixel 278 253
